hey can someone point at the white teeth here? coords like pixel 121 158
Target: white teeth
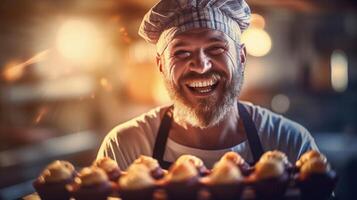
pixel 204 83
pixel 206 90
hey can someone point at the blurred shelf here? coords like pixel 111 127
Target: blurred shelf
pixel 54 147
pixel 18 167
pixel 63 88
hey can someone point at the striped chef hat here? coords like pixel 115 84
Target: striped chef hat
pixel 171 17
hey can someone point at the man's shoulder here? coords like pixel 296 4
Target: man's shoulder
pixel 269 121
pixel 263 115
pixel 258 111
pixel 145 124
pixel 279 132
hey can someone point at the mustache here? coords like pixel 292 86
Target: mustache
pixel 194 75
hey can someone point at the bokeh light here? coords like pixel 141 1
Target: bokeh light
pixel 280 103
pixel 142 52
pixel 257 42
pixel 257 21
pixel 339 71
pixel 79 41
pixel 14 70
pixel 160 93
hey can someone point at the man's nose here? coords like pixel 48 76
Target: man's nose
pixel 200 63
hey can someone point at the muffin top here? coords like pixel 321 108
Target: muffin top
pixel 233 157
pixel 137 177
pixel 315 165
pixel 224 172
pixel 107 164
pixel 91 176
pixel 195 161
pixel 182 171
pixel 57 171
pixel 276 155
pixel 308 156
pixel 149 162
pixel 268 169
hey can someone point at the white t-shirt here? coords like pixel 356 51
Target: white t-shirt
pixel 136 137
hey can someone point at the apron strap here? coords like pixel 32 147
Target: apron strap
pixel 252 134
pixel 161 139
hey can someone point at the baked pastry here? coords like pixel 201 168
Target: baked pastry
pixel 275 154
pixel 51 184
pixel 196 162
pixel 152 164
pixel 316 180
pixel 225 172
pixel 92 183
pixel 280 157
pixel 137 183
pixel 110 167
pixel 268 169
pixel 315 165
pixel 308 156
pixel 182 181
pixel 225 181
pixel 269 179
pixel 237 160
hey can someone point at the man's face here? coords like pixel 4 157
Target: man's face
pixel 203 74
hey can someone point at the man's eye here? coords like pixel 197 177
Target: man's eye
pixel 182 54
pixel 216 50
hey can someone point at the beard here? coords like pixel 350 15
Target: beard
pixel 210 111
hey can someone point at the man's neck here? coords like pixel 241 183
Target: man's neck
pixel 226 133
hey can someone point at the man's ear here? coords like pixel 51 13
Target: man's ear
pixel 243 53
pixel 158 62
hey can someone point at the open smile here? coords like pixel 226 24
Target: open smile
pixel 203 87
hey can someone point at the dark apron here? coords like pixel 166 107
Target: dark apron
pixel 249 128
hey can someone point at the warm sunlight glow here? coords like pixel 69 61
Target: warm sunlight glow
pixel 257 21
pixel 79 41
pixel 14 70
pixel 106 84
pixel 257 42
pixel 160 93
pixel 142 52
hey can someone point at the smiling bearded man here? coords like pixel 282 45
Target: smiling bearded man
pixel 202 61
pixel 209 109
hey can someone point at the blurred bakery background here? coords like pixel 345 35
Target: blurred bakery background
pixel 71 70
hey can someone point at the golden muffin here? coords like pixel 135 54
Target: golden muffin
pixel 153 165
pixel 137 183
pixel 238 161
pixel 92 183
pixel 269 179
pixel 110 167
pixel 308 156
pixel 316 179
pixel 196 162
pixel 182 176
pixel 225 181
pixel 51 184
